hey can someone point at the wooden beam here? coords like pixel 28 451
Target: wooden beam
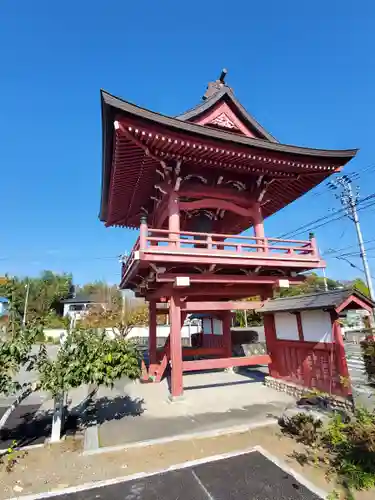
pixel 197 256
pixel 198 191
pixel 211 364
pixel 221 306
pixel 218 204
pixel 230 278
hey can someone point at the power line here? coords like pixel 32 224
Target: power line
pixel 353 265
pixel 349 201
pixel 342 212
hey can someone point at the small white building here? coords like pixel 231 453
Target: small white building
pixel 77 307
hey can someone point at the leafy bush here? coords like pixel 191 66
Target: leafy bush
pixel 40 337
pixel 53 320
pixel 368 353
pixel 305 427
pixel 352 446
pixel 347 444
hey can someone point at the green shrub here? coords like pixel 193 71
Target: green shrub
pixel 368 353
pixel 352 447
pixel 304 427
pixel 40 337
pixel 346 444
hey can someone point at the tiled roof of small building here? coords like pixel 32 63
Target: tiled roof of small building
pixel 319 300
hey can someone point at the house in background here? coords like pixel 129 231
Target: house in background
pixel 78 306
pixel 4 306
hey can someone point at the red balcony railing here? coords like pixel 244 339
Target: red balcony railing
pixel 222 244
pixel 162 242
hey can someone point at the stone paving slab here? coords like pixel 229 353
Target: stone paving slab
pixel 249 475
pixel 211 401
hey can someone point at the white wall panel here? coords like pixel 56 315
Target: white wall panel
pixel 317 326
pixel 286 326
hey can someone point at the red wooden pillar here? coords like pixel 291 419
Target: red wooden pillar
pixel 259 227
pixel 341 364
pixel 174 218
pixel 271 341
pixel 227 336
pixel 152 332
pixel 176 348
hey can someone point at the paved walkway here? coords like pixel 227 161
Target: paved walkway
pixel 363 392
pixel 215 400
pixel 245 476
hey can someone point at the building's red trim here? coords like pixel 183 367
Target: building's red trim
pixel 299 326
pixel 361 304
pixel 211 364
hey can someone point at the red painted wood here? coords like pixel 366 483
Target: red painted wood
pixel 221 306
pixel 271 342
pixel 360 303
pixel 210 364
pixel 212 341
pixel 341 363
pixel 152 332
pixel 190 190
pixel 299 326
pixel 174 219
pixel 227 335
pixel 203 351
pixel 216 203
pixel 229 278
pixel 222 108
pixel 176 348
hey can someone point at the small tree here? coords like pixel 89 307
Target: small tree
pixel 88 356
pixel 121 318
pixel 16 352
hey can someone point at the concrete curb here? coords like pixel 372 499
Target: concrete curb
pixel 234 429
pixel 23 448
pixel 192 463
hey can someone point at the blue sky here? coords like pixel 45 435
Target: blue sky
pixel 305 70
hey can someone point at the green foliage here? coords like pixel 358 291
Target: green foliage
pixel 53 320
pixel 361 286
pixel 347 444
pixel 304 427
pixel 16 351
pixel 368 354
pixel 11 457
pixel 45 293
pixel 351 444
pixel 100 292
pixel 88 356
pixel 312 284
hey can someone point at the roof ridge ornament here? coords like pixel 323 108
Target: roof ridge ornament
pixel 216 86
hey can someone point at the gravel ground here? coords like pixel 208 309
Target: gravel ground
pixel 63 465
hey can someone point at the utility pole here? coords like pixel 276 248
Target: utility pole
pixel 325 280
pixel 26 303
pixel 349 201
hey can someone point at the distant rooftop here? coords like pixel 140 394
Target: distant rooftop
pixel 81 299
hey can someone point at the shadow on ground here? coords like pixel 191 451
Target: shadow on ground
pixel 106 409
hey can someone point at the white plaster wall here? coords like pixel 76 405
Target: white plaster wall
pixel 317 326
pixel 286 326
pixel 140 331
